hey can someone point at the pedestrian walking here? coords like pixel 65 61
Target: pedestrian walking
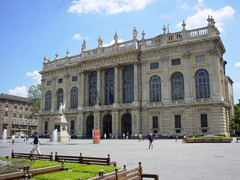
pixel 150 139
pixel 127 135
pixel 105 136
pixel 13 139
pixel 36 143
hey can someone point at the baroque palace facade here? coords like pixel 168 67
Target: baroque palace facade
pixel 174 83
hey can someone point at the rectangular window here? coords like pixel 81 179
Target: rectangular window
pixel 176 62
pixel 200 59
pixel 72 125
pixel 178 131
pixel 154 65
pixel 155 122
pixel 46 126
pixel 60 80
pixel 49 83
pixel 204 130
pixel 204 121
pixel 178 121
pixel 74 78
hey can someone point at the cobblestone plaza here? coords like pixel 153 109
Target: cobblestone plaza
pixel 169 159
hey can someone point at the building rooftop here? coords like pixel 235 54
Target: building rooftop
pixel 13 98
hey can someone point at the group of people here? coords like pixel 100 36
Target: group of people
pixel 36 142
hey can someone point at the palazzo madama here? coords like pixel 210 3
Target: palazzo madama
pixel 174 83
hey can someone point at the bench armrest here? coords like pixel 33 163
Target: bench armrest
pixel 114 163
pixel 154 176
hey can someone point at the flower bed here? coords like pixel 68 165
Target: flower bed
pixel 217 139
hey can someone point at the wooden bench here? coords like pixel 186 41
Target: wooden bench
pixel 124 174
pixel 27 173
pixel 86 160
pixel 32 156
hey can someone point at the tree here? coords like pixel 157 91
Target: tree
pixel 236 118
pixel 34 99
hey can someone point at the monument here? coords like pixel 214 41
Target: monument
pixel 60 124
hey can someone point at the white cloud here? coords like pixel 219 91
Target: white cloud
pixel 199 19
pixel 107 6
pixel 19 91
pixel 35 76
pixel 237 64
pixel 166 16
pixel 199 5
pixel 78 37
pixel 112 42
pixel 185 6
pixel 236 86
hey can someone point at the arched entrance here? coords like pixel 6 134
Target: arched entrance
pixel 107 125
pixel 127 124
pixel 89 126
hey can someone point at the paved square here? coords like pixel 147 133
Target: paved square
pixel 169 159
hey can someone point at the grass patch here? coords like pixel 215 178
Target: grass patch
pixel 75 170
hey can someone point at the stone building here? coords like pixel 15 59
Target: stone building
pixel 174 83
pixel 14 115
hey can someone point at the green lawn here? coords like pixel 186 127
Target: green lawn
pixel 75 171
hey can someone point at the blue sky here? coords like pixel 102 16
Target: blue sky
pixel 30 30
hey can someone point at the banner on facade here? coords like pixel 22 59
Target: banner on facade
pixel 96 136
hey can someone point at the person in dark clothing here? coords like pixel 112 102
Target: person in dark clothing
pixel 150 139
pixel 36 143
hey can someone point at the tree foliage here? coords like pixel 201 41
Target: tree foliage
pixel 236 118
pixel 34 99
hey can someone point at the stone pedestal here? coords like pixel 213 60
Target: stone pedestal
pixel 61 125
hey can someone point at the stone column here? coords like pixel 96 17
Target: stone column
pixel 115 120
pixel 120 95
pixel 65 96
pixel 81 91
pixel 79 125
pixel 188 86
pixel 99 84
pixel 213 77
pixel 116 85
pixel 136 84
pixel 96 120
pixel 135 122
pixel 166 89
pixel 144 84
pixel 86 85
pixel 54 101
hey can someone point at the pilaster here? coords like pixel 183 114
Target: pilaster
pixel 165 82
pixel 188 86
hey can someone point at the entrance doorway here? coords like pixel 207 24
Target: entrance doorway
pixel 107 125
pixel 89 126
pixel 127 124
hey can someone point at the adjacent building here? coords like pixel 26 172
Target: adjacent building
pixel 14 115
pixel 174 83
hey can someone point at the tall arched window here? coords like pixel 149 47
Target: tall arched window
pixel 74 98
pixel 59 98
pixel 202 84
pixel 128 84
pixel 109 86
pixel 48 99
pixel 155 88
pixel 177 86
pixel 93 94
